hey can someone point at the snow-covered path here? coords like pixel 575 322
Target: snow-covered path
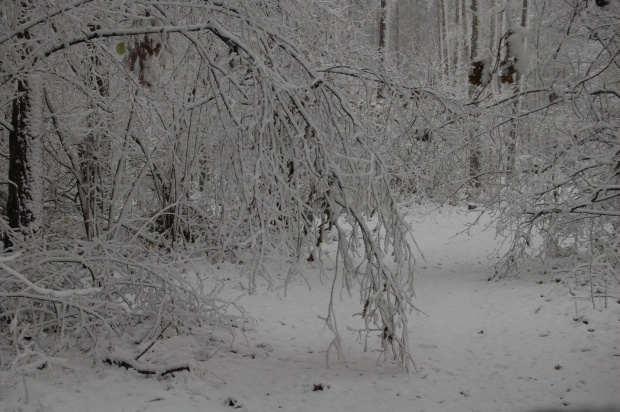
pixel 511 345
pixel 508 345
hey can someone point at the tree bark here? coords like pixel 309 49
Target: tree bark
pixel 443 30
pixel 493 27
pixel 382 27
pixel 24 205
pixel 474 154
pixel 474 30
pixel 383 16
pixel 465 44
pixel 396 32
pixel 514 124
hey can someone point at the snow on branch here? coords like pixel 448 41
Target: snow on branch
pixel 237 147
pixel 60 294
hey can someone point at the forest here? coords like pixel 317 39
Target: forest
pixel 141 136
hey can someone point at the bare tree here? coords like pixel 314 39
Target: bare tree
pixel 209 132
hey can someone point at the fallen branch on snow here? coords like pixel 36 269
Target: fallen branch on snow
pixel 146 368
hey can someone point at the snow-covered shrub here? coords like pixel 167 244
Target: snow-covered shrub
pixel 88 294
pixel 563 196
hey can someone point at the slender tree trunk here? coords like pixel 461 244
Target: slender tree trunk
pixel 474 30
pixel 457 44
pixel 382 26
pixel 440 35
pixel 474 153
pixel 444 35
pixel 516 106
pixel 396 32
pixel 465 25
pixel 493 27
pixel 524 14
pixel 501 29
pixel 383 16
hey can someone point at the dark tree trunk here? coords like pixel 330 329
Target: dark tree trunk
pixel 383 16
pixel 24 199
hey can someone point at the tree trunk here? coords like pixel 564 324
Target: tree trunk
pixel 516 107
pixel 396 32
pixel 443 30
pixel 493 27
pixel 464 21
pixel 383 16
pixel 24 205
pixel 474 153
pixel 457 45
pixel 382 27
pixel 474 30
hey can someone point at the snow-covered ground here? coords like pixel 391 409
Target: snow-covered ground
pixel 507 345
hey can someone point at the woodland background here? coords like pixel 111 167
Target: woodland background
pixel 138 136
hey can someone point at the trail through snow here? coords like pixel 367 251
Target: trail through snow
pixel 508 345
